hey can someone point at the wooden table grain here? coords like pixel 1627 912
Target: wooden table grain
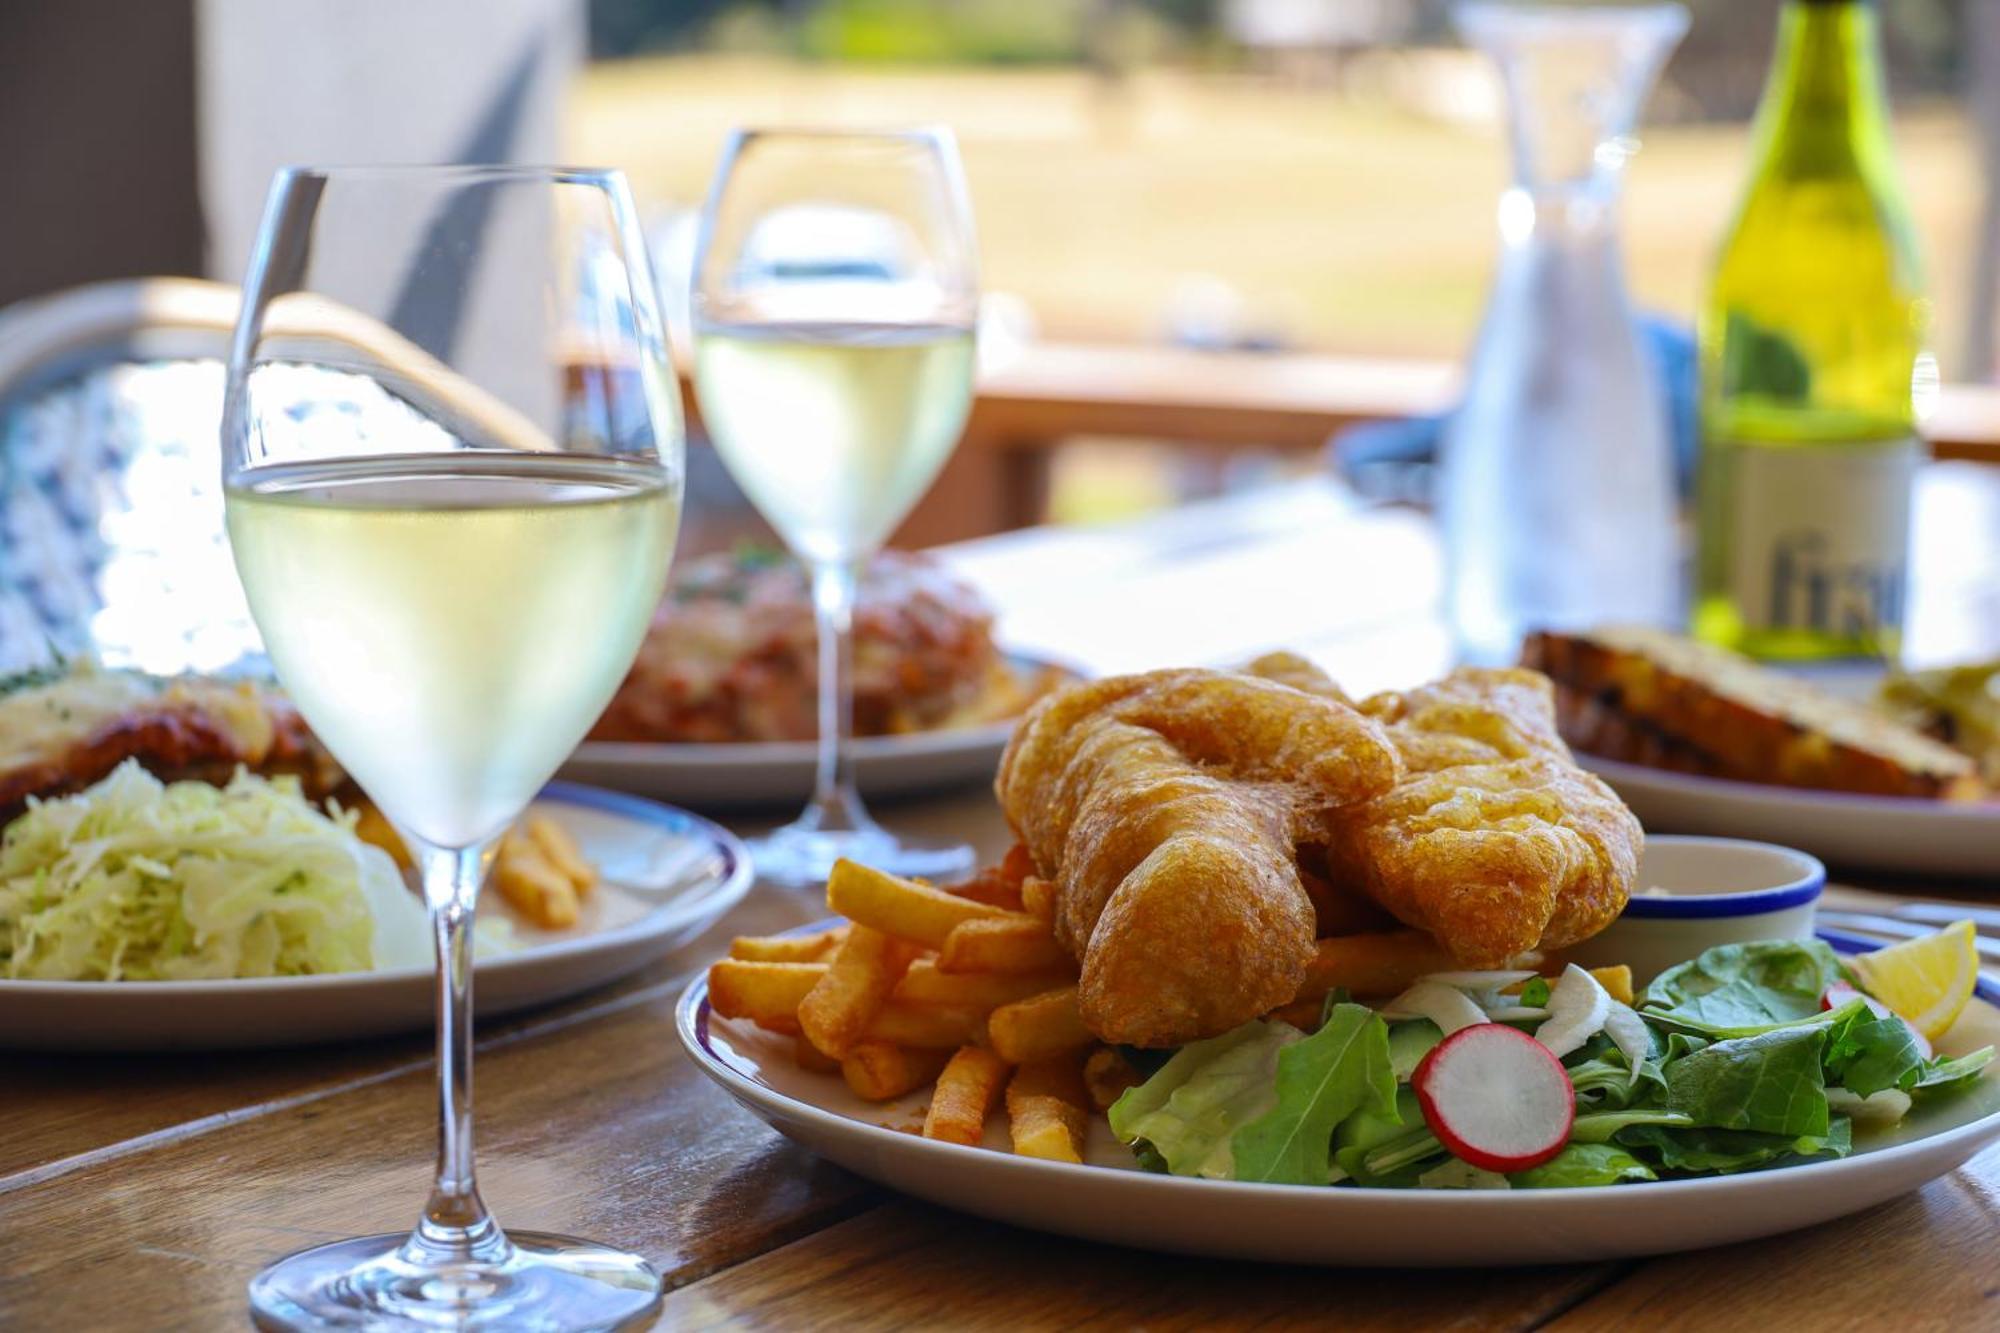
pixel 141 1192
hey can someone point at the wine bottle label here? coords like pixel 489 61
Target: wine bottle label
pixel 1819 535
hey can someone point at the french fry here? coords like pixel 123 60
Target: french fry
pixel 1018 863
pixel 1046 1114
pixel 1012 943
pixel 559 849
pixel 1617 980
pixel 992 886
pixel 863 972
pixel 1301 1014
pixel 1037 1028
pixel 878 1071
pixel 783 1025
pixel 533 885
pixel 924 983
pixel 964 1096
pixel 1038 897
pixel 761 991
pixel 814 948
pixel 811 1059
pixel 926 1026
pixel 1340 911
pixel 1380 964
pixel 899 907
pixel 373 827
pixel 1106 1075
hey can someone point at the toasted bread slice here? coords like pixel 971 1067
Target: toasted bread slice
pixel 1657 698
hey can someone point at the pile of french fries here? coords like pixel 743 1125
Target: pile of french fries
pixel 967 988
pixel 538 867
pixel 964 987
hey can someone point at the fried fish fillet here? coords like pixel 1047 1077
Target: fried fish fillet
pixel 1494 840
pixel 1166 808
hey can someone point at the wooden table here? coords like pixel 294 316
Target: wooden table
pixel 142 1192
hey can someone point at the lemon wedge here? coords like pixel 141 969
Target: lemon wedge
pixel 1925 980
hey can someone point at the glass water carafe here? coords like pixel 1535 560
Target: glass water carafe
pixel 1556 490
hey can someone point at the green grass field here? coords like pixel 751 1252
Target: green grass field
pixel 1342 226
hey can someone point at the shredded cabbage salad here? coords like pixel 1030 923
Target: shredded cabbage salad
pixel 138 880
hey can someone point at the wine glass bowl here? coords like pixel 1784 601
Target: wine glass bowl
pixel 834 303
pixel 452 472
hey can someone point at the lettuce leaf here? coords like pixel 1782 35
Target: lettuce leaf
pixel 1190 1108
pixel 1739 990
pixel 1771 1083
pixel 1583 1164
pixel 1342 1068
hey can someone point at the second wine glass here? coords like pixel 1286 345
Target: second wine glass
pixel 834 299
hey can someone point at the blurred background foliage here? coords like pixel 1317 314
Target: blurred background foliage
pixel 1715 74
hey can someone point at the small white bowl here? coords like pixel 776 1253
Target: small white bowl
pixel 1695 893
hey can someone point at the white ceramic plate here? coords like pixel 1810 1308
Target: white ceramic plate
pixel 1900 834
pixel 781 772
pixel 667 876
pixel 1111 1199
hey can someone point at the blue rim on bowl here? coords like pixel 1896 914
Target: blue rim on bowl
pixel 1805 886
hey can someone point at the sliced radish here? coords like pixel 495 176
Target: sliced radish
pixel 1578 1006
pixel 1496 1098
pixel 1517 1013
pixel 1840 994
pixel 1446 1006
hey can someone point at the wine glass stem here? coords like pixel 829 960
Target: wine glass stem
pixel 455 1223
pixel 836 804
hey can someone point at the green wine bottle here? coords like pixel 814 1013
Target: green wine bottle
pixel 1812 363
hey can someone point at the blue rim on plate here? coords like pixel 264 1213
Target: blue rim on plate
pixel 1806 888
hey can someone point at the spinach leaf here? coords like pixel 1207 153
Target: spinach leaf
pixel 1583 1164
pixel 1942 1075
pixel 1342 1068
pixel 1869 1054
pixel 1738 990
pixel 1727 1150
pixel 1770 1083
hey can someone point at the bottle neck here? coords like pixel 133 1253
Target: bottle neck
pixel 1824 109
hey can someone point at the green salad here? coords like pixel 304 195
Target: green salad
pixel 1750 1056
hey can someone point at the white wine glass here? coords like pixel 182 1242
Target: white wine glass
pixel 834 300
pixel 452 473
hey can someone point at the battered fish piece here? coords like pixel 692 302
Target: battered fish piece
pixel 1495 841
pixel 1166 808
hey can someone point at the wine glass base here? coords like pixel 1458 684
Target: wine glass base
pixel 801 857
pixel 549 1284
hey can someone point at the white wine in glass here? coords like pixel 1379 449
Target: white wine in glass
pixel 452 474
pixel 835 297
pixel 834 430
pixel 454 577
